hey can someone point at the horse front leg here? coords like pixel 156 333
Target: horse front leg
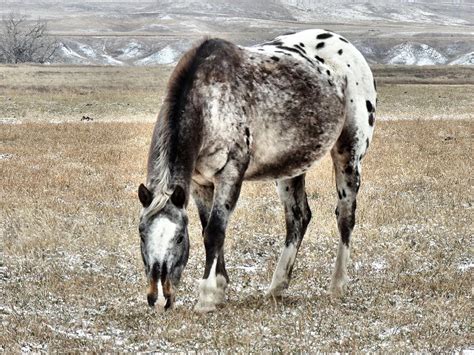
pixel 297 216
pixel 227 186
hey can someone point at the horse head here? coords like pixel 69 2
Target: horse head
pixel 164 243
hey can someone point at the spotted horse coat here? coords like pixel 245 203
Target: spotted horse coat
pixel 253 113
pixel 333 54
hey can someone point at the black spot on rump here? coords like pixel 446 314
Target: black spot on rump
pixel 375 85
pixel 295 50
pixel 330 82
pixel 324 36
pixel 320 45
pixel 339 51
pixel 367 143
pixel 343 40
pixel 273 43
pixel 319 58
pixel 348 65
pixel 328 72
pixel 371 119
pixel 276 59
pixel 300 48
pixel 369 105
pixel 301 44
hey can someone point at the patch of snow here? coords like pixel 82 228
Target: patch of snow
pixel 6 156
pixel 311 10
pixel 466 266
pixel 110 60
pixel 166 17
pixel 411 53
pixel 9 120
pixel 466 59
pixel 248 269
pixel 379 265
pixel 387 333
pixel 132 50
pixel 167 55
pixel 68 52
pixel 87 50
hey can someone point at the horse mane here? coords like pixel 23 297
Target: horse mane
pixel 164 143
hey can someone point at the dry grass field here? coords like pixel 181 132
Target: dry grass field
pixel 60 93
pixel 71 274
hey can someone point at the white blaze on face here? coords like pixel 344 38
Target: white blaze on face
pixel 162 232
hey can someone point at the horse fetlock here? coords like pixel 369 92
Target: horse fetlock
pixel 211 293
pixel 279 284
pixel 338 285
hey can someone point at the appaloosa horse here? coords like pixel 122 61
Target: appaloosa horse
pixel 264 112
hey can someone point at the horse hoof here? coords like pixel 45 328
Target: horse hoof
pixel 337 288
pixel 203 307
pixel 276 291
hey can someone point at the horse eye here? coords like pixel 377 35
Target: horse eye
pixel 180 239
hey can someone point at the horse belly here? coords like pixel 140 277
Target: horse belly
pixel 279 154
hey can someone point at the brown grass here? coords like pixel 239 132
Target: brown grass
pixel 66 93
pixel 72 278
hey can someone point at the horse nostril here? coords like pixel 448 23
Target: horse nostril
pixel 151 300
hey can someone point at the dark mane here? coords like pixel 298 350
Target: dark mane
pixel 170 126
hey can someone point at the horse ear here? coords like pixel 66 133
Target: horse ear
pixel 178 197
pixel 144 195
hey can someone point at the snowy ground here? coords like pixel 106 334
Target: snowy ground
pixel 72 280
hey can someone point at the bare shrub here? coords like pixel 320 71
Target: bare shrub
pixel 25 42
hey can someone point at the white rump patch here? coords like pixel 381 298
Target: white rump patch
pixel 162 232
pixel 211 291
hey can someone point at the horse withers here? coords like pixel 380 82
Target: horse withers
pixel 267 112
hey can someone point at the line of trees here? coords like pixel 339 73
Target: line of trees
pixel 22 41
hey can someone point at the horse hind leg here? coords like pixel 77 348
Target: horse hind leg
pixel 297 216
pixel 346 155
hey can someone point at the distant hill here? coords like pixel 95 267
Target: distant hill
pixel 158 32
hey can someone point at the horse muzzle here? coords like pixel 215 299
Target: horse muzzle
pixel 161 291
